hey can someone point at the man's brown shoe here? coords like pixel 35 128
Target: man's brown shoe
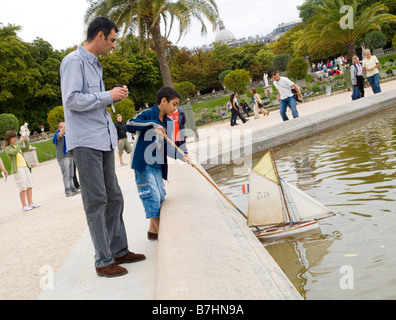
pixel 111 271
pixel 130 257
pixel 152 236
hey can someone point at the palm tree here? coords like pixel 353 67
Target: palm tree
pixel 145 17
pixel 327 27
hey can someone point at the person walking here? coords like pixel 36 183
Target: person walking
pixel 123 143
pixel 371 65
pixel 233 103
pixel 65 160
pixel 20 169
pixel 256 100
pixel 92 138
pixel 357 75
pixel 285 95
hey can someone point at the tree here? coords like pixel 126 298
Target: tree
pixel 24 88
pixel 237 80
pixel 297 68
pixel 145 16
pixel 265 57
pixel 340 21
pixel 375 39
pixel 280 61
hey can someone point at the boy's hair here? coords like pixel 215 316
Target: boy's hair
pixel 168 93
pixel 103 24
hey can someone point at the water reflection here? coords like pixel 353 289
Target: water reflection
pixel 351 170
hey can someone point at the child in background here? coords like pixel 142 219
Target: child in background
pixel 20 168
pixel 149 155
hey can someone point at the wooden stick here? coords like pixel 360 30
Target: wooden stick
pixel 205 176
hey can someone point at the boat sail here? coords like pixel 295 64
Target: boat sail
pixel 276 208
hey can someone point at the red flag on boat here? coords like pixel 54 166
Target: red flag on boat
pixel 245 188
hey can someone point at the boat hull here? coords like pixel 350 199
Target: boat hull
pixel 285 231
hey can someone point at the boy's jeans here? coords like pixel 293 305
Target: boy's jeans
pixel 151 190
pixel 103 204
pixel 292 103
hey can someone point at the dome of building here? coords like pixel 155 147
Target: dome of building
pixel 224 35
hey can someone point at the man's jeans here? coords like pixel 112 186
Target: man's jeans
pixel 67 167
pixel 374 83
pixel 292 103
pixel 103 204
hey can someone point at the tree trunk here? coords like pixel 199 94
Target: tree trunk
pixel 160 50
pixel 351 50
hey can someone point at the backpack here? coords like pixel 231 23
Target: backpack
pixel 229 105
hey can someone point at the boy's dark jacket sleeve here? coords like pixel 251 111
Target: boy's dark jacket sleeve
pixel 141 123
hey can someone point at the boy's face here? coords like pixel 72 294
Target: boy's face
pixel 169 107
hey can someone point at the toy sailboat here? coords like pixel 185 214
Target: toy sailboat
pixel 276 208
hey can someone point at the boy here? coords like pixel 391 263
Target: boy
pixel 149 155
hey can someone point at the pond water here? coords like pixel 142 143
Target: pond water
pixel 352 171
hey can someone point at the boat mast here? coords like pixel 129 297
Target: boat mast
pixel 280 185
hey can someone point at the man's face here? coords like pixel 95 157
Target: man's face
pixel 276 77
pixel 106 45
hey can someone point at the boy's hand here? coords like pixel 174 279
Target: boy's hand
pixel 187 159
pixel 160 130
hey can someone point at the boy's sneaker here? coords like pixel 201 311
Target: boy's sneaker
pixel 26 208
pixel 122 164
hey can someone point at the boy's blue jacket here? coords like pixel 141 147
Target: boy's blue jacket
pixel 148 149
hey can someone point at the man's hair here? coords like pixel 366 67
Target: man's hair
pixel 274 73
pixel 168 93
pixel 103 24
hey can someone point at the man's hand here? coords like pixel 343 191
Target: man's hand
pixel 119 93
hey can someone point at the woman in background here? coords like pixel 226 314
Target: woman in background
pixel 20 169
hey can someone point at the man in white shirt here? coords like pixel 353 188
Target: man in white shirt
pixel 371 65
pixel 285 95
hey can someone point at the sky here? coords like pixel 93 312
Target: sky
pixel 61 22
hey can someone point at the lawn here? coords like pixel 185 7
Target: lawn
pixel 215 110
pixel 45 151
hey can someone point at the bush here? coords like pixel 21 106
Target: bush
pixel 8 122
pixel 186 89
pixel 280 61
pixel 125 107
pixel 223 74
pixel 237 80
pixel 55 116
pixel 297 68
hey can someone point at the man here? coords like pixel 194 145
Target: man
pixel 371 65
pixel 285 95
pixel 65 161
pixel 92 137
pixel 123 143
